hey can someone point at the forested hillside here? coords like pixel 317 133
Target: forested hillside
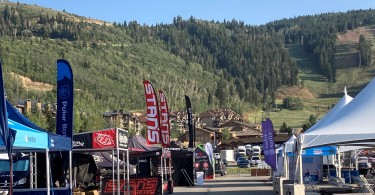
pixel 218 64
pixel 318 36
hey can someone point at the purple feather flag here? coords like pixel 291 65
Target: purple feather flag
pixel 269 143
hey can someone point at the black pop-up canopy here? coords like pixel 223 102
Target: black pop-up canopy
pixel 112 141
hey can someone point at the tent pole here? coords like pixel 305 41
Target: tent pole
pixel 36 168
pixel 118 169
pixel 117 161
pixel 113 173
pixel 31 168
pixel 300 164
pixel 48 177
pixel 286 161
pixel 124 168
pixel 339 163
pixel 165 169
pixel 356 159
pixel 127 170
pixel 162 170
pixel 328 169
pixel 70 171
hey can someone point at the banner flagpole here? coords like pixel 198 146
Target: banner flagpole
pixel 64 113
pixel 7 134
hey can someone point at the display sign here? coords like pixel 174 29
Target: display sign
pixel 203 164
pixel 82 141
pixel 138 186
pixel 123 138
pixel 104 139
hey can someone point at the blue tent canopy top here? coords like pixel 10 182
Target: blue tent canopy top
pixel 318 151
pixel 26 137
pixel 31 136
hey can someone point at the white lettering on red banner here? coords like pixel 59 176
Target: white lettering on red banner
pixel 153 130
pixel 164 120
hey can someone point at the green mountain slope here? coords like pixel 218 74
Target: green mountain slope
pixel 218 64
pixel 326 93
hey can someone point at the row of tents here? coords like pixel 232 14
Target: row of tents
pixel 134 166
pixel 347 126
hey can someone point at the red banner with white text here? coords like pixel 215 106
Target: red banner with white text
pixel 164 120
pixel 153 128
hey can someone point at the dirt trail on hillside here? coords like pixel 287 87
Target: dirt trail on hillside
pixel 301 92
pixel 32 85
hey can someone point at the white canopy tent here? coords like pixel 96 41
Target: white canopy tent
pixel 332 113
pixel 291 143
pixel 352 124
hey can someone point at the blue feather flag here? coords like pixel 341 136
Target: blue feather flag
pixel 7 134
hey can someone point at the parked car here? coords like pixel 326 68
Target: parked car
pixel 220 167
pixel 243 162
pixel 255 160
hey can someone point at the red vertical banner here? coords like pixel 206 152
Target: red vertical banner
pixel 164 120
pixel 153 128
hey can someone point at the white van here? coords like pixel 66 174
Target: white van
pixel 241 150
pixel 256 150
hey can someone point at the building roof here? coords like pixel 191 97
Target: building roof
pixel 233 123
pixel 115 113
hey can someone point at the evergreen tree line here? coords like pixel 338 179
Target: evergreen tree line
pixel 252 59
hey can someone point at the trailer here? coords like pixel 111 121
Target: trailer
pixel 228 155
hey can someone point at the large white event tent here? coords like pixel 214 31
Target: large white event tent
pixel 352 124
pixel 290 146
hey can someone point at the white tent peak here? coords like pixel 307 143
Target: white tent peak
pixel 289 145
pixel 332 113
pixel 345 92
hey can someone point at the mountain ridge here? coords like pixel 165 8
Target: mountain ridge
pixel 227 64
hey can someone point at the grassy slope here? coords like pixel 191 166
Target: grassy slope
pixel 327 93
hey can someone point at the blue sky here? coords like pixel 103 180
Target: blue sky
pixel 151 12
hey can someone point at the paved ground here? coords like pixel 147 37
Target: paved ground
pixel 230 184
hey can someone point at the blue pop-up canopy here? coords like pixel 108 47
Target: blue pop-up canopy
pixel 26 137
pixel 54 141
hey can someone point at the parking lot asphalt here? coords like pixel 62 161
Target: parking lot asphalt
pixel 230 184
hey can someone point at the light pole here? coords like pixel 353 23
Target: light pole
pixel 214 140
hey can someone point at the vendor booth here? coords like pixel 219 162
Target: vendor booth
pixel 182 166
pixel 113 143
pixel 153 166
pixel 41 151
pixel 203 163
